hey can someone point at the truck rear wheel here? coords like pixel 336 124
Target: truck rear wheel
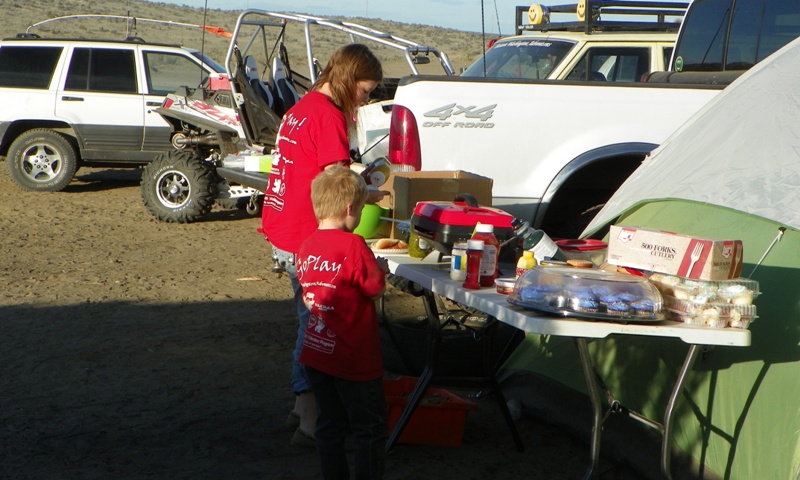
pixel 42 160
pixel 178 187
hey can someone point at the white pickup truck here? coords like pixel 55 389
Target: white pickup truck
pixel 558 129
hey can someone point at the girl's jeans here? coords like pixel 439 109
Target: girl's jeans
pixel 299 379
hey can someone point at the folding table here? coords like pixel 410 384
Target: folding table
pixel 433 275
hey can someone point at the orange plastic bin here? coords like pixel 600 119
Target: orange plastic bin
pixel 438 420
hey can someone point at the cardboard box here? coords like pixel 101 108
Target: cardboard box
pixel 439 418
pixel 674 254
pixel 408 188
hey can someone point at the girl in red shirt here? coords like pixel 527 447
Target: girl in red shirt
pixel 313 136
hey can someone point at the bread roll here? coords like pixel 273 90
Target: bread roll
pixel 389 244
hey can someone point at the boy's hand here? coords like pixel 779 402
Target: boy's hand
pixel 383 264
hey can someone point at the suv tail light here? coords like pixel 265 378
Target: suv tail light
pixel 404 147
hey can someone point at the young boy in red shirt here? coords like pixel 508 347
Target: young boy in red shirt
pixel 341 279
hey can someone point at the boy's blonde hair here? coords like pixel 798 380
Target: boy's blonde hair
pixel 334 189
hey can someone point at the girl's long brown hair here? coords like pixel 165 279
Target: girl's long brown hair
pixel 348 66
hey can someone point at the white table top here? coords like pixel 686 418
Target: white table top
pixel 435 276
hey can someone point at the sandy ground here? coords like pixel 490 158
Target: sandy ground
pixel 131 348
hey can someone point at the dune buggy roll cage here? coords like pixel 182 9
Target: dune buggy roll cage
pixel 415 53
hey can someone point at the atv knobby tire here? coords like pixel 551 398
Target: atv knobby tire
pixel 178 186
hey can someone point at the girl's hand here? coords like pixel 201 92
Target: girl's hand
pixel 375 195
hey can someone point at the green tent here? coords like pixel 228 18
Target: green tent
pixel 731 172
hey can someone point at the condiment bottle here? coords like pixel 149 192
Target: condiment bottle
pixel 542 246
pixel 474 255
pixel 458 261
pixel 417 247
pixel 491 251
pixel 525 262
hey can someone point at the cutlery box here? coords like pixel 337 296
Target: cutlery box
pixel 674 254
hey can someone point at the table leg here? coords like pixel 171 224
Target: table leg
pixel 597 408
pixel 429 301
pixel 411 406
pixel 666 441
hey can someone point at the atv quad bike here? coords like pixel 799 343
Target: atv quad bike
pixel 236 116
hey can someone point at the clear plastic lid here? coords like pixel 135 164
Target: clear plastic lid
pixel 588 293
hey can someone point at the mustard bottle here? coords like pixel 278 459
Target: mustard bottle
pixel 525 262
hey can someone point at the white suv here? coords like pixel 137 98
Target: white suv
pixel 72 103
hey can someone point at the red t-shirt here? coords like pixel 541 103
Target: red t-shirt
pixel 312 135
pixel 339 275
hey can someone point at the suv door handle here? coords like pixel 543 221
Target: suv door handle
pixel 153 104
pixel 72 99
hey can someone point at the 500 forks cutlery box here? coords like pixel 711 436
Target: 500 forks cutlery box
pixel 674 254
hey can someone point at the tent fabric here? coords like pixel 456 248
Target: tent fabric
pixel 732 171
pixel 741 151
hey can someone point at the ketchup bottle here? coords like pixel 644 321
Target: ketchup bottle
pixel 474 255
pixel 491 251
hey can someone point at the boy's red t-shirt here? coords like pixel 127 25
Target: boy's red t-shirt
pixel 339 275
pixel 312 135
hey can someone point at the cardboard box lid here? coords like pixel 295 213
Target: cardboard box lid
pixel 407 188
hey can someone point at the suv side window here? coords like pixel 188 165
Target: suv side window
pixel 28 67
pixel 166 72
pixel 757 29
pixel 102 70
pixel 613 64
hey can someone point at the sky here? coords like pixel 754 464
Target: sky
pixel 457 14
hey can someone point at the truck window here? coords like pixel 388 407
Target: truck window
pixel 613 64
pixel 108 70
pixel 168 71
pixel 28 67
pixel 528 59
pixel 713 40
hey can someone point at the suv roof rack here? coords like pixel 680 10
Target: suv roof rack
pixel 130 33
pixel 667 15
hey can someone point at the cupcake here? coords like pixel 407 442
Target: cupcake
pixel 643 308
pixel 618 309
pixel 585 306
pixel 531 294
pixel 627 297
pixel 608 299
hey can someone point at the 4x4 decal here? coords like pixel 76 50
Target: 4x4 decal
pixel 472 112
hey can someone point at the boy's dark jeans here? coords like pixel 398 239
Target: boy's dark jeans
pixel 346 406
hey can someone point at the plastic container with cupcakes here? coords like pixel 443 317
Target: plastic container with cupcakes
pixel 588 293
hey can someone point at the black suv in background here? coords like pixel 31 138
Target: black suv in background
pixel 721 39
